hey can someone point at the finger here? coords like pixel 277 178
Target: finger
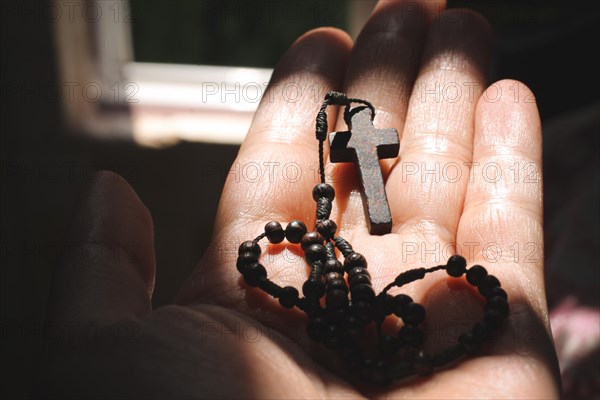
pixel 382 69
pixel 106 270
pixel 502 223
pixel 282 136
pixel 426 187
pixel 278 159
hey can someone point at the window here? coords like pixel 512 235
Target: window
pixel 162 71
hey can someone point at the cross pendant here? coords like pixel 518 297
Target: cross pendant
pixel 365 145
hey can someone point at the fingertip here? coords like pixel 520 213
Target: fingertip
pixel 112 213
pixel 323 51
pixel 507 115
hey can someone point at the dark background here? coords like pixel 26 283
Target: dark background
pixel 551 46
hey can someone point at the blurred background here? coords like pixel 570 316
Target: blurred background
pixel 162 92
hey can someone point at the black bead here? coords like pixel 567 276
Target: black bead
pixel 494 317
pixel 245 259
pixel 413 313
pixel 327 228
pixel 359 280
pixel 482 331
pixel 294 231
pixel 254 274
pixel 336 299
pixel 274 232
pixel 331 336
pixel 354 260
pixel 332 276
pixel 383 305
pixel 315 328
pixel 288 296
pixel 314 288
pixel 475 274
pixel 456 266
pixel 498 303
pixel 398 304
pixel 249 246
pixel 411 335
pixel 331 265
pixel 497 291
pixel 311 238
pixel 469 342
pixel 358 271
pixel 315 252
pixel 363 292
pixel 323 190
pixel 337 284
pixel 423 363
pixel 389 344
pixel 487 284
pixel 362 310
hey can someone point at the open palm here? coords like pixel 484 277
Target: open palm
pixel 467 180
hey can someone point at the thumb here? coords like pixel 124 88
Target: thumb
pixel 106 269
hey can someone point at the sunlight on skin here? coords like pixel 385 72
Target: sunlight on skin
pixel 225 339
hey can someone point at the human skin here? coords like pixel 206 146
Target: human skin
pixel 180 350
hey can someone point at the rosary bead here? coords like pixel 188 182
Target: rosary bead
pixel 274 232
pixel 448 355
pixel 314 288
pixel 323 190
pixel 469 343
pixel 498 303
pixel 359 280
pixel 245 259
pixel 398 304
pixel 494 317
pixel 354 260
pixel 315 252
pixel 363 292
pixel 331 276
pixel 413 313
pixel 482 331
pixel 363 311
pixel 456 266
pixel 487 284
pixel 358 271
pixel 423 363
pixel 294 231
pixel 411 335
pixel 331 337
pixel 377 375
pixel 475 274
pixel 254 274
pixel 336 299
pixel 383 305
pixel 327 228
pixel 288 296
pixel 332 265
pixel 251 247
pixel 315 328
pixel 497 291
pixel 337 284
pixel 389 344
pixel 311 238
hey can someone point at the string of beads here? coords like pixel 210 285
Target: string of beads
pixel 340 301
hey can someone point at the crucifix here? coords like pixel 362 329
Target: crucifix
pixel 365 145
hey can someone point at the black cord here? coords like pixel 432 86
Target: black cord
pixel 321 126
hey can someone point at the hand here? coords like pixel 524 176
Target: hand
pixel 467 180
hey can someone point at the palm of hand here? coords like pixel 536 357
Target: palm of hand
pixel 243 344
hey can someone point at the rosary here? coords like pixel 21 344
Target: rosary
pixel 350 304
